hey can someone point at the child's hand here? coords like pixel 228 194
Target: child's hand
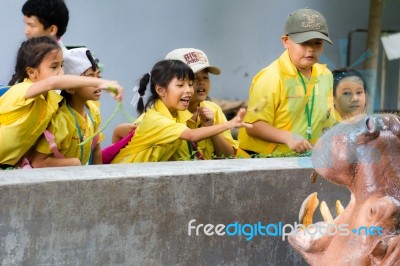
pixel 237 121
pixel 113 87
pixel 206 116
pixel 299 144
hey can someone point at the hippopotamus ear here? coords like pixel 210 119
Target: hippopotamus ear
pixel 331 158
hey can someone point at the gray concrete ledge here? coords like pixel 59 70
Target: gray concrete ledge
pixel 138 214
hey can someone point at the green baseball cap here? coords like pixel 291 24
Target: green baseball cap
pixel 306 24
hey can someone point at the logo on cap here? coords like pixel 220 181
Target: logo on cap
pixel 194 57
pixel 311 22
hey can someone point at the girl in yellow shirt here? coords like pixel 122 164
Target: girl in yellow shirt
pixel 222 145
pixel 76 119
pixel 27 107
pixel 163 125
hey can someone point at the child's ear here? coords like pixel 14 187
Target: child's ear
pixel 53 29
pixel 32 73
pixel 285 39
pixel 70 91
pixel 160 91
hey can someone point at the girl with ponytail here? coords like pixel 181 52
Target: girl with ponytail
pixel 162 131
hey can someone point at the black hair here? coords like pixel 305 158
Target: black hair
pixel 93 61
pixel 162 73
pixel 339 74
pixel 31 54
pixel 48 12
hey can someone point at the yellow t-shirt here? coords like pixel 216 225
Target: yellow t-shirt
pixel 337 116
pixel 277 97
pixel 205 146
pixel 157 136
pixel 66 136
pixel 22 121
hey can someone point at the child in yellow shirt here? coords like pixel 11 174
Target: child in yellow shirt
pixel 221 145
pixel 163 128
pixel 77 118
pixel 28 106
pixel 290 101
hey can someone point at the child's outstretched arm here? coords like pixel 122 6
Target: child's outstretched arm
pixel 71 82
pixel 41 160
pixel 267 132
pixel 201 133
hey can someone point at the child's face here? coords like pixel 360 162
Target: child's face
pixel 201 86
pixel 177 95
pixel 33 28
pixel 304 55
pixel 350 98
pixel 92 73
pixel 89 93
pixel 50 66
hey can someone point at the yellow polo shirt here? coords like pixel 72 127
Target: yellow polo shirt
pixel 156 138
pixel 277 97
pixel 22 121
pixel 63 127
pixel 206 146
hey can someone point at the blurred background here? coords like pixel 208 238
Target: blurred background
pixel 240 37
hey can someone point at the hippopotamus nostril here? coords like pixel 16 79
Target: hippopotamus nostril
pixel 371 124
pixel 372 129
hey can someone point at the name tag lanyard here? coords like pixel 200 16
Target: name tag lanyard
pixel 308 110
pixel 79 131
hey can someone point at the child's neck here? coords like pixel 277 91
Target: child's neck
pixel 305 72
pixel 193 107
pixel 78 106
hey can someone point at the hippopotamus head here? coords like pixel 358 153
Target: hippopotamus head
pixel 363 155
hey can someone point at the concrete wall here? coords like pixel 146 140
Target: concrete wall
pixel 138 214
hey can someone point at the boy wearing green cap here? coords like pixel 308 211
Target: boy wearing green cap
pixel 290 101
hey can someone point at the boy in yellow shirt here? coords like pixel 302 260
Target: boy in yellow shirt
pixel 290 101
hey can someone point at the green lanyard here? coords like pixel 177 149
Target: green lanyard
pixel 79 130
pixel 308 110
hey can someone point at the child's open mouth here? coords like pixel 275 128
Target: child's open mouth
pixel 185 101
pixel 200 91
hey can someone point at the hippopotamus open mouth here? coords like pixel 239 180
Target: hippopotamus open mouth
pixel 362 154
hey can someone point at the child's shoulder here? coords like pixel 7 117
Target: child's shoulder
pixel 94 106
pixel 322 69
pixel 211 105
